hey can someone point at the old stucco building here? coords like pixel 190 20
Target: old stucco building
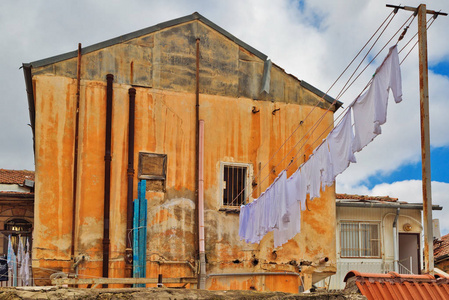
pixel 249 107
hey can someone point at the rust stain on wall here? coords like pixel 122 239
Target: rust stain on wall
pixel 163 72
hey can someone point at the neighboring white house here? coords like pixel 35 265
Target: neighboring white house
pixel 375 232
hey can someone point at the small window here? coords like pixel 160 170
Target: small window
pixel 235 178
pixel 153 168
pixel 360 239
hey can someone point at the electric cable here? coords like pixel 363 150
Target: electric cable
pixel 319 101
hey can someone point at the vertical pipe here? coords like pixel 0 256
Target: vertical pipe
pixel 395 242
pixel 425 139
pixel 130 174
pixel 143 231
pixel 107 177
pixel 197 118
pixel 136 267
pixel 202 284
pixel 75 152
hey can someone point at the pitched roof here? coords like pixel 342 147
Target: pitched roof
pixel 365 197
pixel 441 247
pixel 15 176
pixel 398 286
pixel 158 27
pixel 145 31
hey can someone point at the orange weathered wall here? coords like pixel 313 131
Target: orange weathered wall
pixel 165 123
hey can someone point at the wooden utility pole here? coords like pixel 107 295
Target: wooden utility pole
pixel 425 132
pixel 425 139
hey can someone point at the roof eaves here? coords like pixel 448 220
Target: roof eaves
pixel 231 37
pixel 30 97
pixel 441 258
pixel 21 195
pixel 321 94
pixel 385 205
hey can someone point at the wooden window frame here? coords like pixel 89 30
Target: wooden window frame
pixel 162 177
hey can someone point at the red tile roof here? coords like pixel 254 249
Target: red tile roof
pixel 441 247
pixel 399 286
pixel 15 176
pixel 365 197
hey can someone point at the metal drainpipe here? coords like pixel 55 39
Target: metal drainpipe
pixel 201 205
pixel 197 125
pixel 130 195
pixel 75 153
pixel 395 241
pixel 107 177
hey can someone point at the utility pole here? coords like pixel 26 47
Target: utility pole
pixel 425 132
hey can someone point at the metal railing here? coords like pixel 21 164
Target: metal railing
pixel 403 269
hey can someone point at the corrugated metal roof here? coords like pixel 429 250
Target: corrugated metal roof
pixel 399 286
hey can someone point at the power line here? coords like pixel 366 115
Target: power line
pixel 318 102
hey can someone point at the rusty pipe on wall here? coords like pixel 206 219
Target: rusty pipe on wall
pixel 199 207
pixel 75 152
pixel 323 260
pixel 107 176
pixel 130 174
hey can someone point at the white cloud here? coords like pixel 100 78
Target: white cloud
pixel 409 191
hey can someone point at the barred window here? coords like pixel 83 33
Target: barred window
pixel 360 239
pixel 234 183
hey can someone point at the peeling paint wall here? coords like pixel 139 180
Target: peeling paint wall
pixel 161 66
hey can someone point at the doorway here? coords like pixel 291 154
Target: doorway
pixel 409 260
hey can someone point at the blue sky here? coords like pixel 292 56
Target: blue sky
pixel 441 68
pixel 439 166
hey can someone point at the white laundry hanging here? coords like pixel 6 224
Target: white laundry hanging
pixel 279 208
pixel 370 109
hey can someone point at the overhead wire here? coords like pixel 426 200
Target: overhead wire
pixel 413 47
pixel 344 112
pixel 369 63
pixel 315 125
pixel 363 59
pixel 319 101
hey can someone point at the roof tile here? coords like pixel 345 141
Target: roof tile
pixel 399 286
pixel 365 197
pixel 15 176
pixel 441 247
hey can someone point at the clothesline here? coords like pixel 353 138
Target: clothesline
pixel 278 208
pixel 392 15
pixel 342 91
